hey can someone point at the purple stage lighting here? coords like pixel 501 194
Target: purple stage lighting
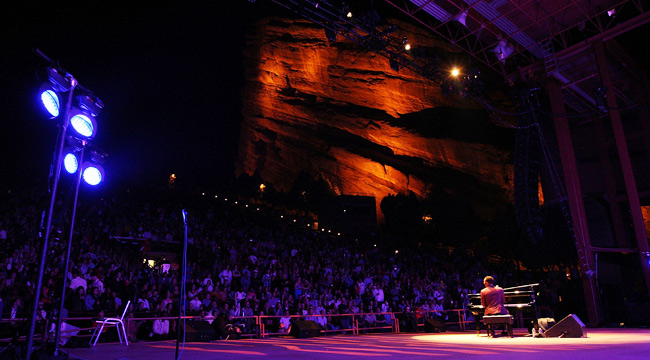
pixel 50 100
pixel 83 125
pixel 93 174
pixel 71 163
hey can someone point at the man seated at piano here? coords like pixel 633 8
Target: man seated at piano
pixel 492 298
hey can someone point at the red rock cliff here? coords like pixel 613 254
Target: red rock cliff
pixel 341 113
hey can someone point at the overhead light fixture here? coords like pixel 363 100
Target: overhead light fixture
pixel 611 12
pixel 345 10
pixel 406 43
pixel 462 18
pixel 455 72
pixel 503 50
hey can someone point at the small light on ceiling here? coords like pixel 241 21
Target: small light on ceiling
pixel 406 43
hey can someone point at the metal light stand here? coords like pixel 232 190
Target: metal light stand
pixel 59 318
pixel 55 185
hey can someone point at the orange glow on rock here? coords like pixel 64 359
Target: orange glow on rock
pixel 336 110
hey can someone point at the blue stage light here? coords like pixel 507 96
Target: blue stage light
pixel 83 125
pixel 50 100
pixel 71 163
pixel 93 174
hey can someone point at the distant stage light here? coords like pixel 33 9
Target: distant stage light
pixel 345 10
pixel 70 162
pixel 455 72
pixel 406 43
pixel 93 173
pixel 503 50
pixel 83 125
pixel 462 18
pixel 50 99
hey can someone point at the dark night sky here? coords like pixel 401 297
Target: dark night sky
pixel 169 75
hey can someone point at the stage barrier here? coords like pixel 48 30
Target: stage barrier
pixel 261 326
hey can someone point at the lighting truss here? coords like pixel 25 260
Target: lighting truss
pixel 535 30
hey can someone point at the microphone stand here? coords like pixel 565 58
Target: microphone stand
pixel 182 297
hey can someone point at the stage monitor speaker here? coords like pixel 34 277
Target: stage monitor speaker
pixel 199 331
pixel 570 327
pixel 304 329
pixel 433 325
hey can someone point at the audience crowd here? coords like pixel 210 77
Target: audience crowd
pixel 244 259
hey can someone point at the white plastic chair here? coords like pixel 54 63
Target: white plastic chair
pixel 117 322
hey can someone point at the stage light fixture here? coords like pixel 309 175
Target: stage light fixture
pixel 70 162
pixel 462 18
pixel 58 81
pixel 90 103
pixel 93 174
pixel 345 10
pixel 406 43
pixel 503 50
pixel 455 72
pixel 50 100
pixel 83 125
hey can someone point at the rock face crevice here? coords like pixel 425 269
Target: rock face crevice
pixel 338 111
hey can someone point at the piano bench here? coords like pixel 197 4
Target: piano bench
pixel 505 320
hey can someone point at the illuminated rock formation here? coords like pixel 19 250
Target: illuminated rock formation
pixel 340 113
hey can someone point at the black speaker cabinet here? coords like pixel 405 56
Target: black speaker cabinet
pixel 570 327
pixel 433 325
pixel 304 329
pixel 198 331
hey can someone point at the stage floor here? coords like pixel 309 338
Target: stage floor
pixel 599 344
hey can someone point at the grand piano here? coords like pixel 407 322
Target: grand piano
pixel 520 302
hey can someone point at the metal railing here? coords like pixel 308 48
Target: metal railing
pixel 262 326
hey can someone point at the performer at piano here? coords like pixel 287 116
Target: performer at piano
pixel 492 298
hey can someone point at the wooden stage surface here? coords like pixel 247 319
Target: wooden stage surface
pixel 599 344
